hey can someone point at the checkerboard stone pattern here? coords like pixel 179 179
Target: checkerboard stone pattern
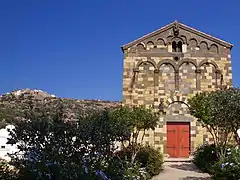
pixel 166 81
pixel 208 77
pixel 153 74
pixel 146 85
pixel 187 78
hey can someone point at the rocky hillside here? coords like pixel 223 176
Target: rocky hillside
pixel 16 104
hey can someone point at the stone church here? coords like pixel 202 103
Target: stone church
pixel 163 69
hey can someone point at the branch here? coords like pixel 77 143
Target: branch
pixel 143 136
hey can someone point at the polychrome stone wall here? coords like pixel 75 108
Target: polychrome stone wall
pixel 153 74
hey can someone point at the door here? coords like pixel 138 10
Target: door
pixel 178 139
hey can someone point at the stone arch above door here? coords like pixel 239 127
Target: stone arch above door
pixel 176 98
pixel 177 109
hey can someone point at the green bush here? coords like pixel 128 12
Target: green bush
pixel 66 150
pixel 228 168
pixel 205 157
pixel 119 169
pixel 6 171
pixel 151 159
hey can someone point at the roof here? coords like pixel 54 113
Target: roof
pixel 182 26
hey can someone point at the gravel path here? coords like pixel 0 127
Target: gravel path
pixel 181 171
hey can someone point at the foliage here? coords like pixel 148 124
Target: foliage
pixel 151 159
pixel 133 121
pixel 228 168
pixel 53 148
pixel 205 157
pixel 47 149
pixel 6 172
pixel 15 104
pixel 218 111
pixel 119 169
pixel 227 108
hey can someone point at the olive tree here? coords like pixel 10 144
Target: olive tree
pixel 218 112
pixel 133 121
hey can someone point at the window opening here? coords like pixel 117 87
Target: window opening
pixel 179 46
pixel 174 46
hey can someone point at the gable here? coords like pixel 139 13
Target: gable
pixel 188 35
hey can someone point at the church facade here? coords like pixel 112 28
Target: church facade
pixel 163 69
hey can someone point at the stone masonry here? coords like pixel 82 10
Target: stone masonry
pixel 164 68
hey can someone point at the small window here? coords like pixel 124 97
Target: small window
pixel 179 46
pixel 174 46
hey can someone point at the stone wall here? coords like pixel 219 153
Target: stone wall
pixel 150 80
pixel 168 66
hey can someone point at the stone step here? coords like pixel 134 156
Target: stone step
pixel 178 159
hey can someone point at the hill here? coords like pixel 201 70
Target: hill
pixel 15 105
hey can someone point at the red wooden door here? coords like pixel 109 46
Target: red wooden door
pixel 178 139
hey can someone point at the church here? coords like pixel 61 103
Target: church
pixel 163 69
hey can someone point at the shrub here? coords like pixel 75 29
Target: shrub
pixel 7 172
pixel 151 159
pixel 119 169
pixel 205 157
pixel 58 149
pixel 228 167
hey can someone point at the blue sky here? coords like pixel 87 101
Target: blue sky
pixel 71 48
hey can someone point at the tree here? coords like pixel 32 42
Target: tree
pixel 46 148
pixel 133 121
pixel 227 108
pixel 218 112
pixel 53 148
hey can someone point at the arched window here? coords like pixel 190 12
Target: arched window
pixel 179 46
pixel 174 46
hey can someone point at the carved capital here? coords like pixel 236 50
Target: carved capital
pixel 198 71
pixel 135 70
pixel 156 71
pixel 218 71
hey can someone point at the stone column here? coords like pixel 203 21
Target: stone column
pixel 198 80
pixel 177 80
pixel 134 79
pixel 218 77
pixel 156 79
